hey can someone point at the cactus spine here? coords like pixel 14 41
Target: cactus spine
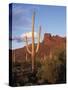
pixel 33 52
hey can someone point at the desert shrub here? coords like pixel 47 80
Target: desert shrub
pixel 62 71
pixel 53 70
pixel 48 72
pixel 38 62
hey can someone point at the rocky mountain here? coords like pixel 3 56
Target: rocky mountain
pixel 48 46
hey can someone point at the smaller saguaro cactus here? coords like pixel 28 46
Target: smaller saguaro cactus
pixel 26 55
pixel 14 56
pixel 33 52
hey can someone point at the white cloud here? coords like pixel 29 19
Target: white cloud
pixel 29 35
pixel 21 38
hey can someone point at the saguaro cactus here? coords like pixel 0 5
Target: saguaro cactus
pixel 33 52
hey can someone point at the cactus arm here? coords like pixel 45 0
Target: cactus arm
pixel 27 47
pixel 38 40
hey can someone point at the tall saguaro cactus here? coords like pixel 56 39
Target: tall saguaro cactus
pixel 33 52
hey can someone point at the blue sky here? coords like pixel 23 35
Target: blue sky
pixel 51 18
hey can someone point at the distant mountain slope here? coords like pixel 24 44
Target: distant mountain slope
pixel 48 45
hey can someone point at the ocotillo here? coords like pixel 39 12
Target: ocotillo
pixel 33 52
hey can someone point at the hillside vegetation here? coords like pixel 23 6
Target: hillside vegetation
pixel 50 63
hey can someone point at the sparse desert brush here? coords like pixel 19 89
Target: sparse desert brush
pixel 52 70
